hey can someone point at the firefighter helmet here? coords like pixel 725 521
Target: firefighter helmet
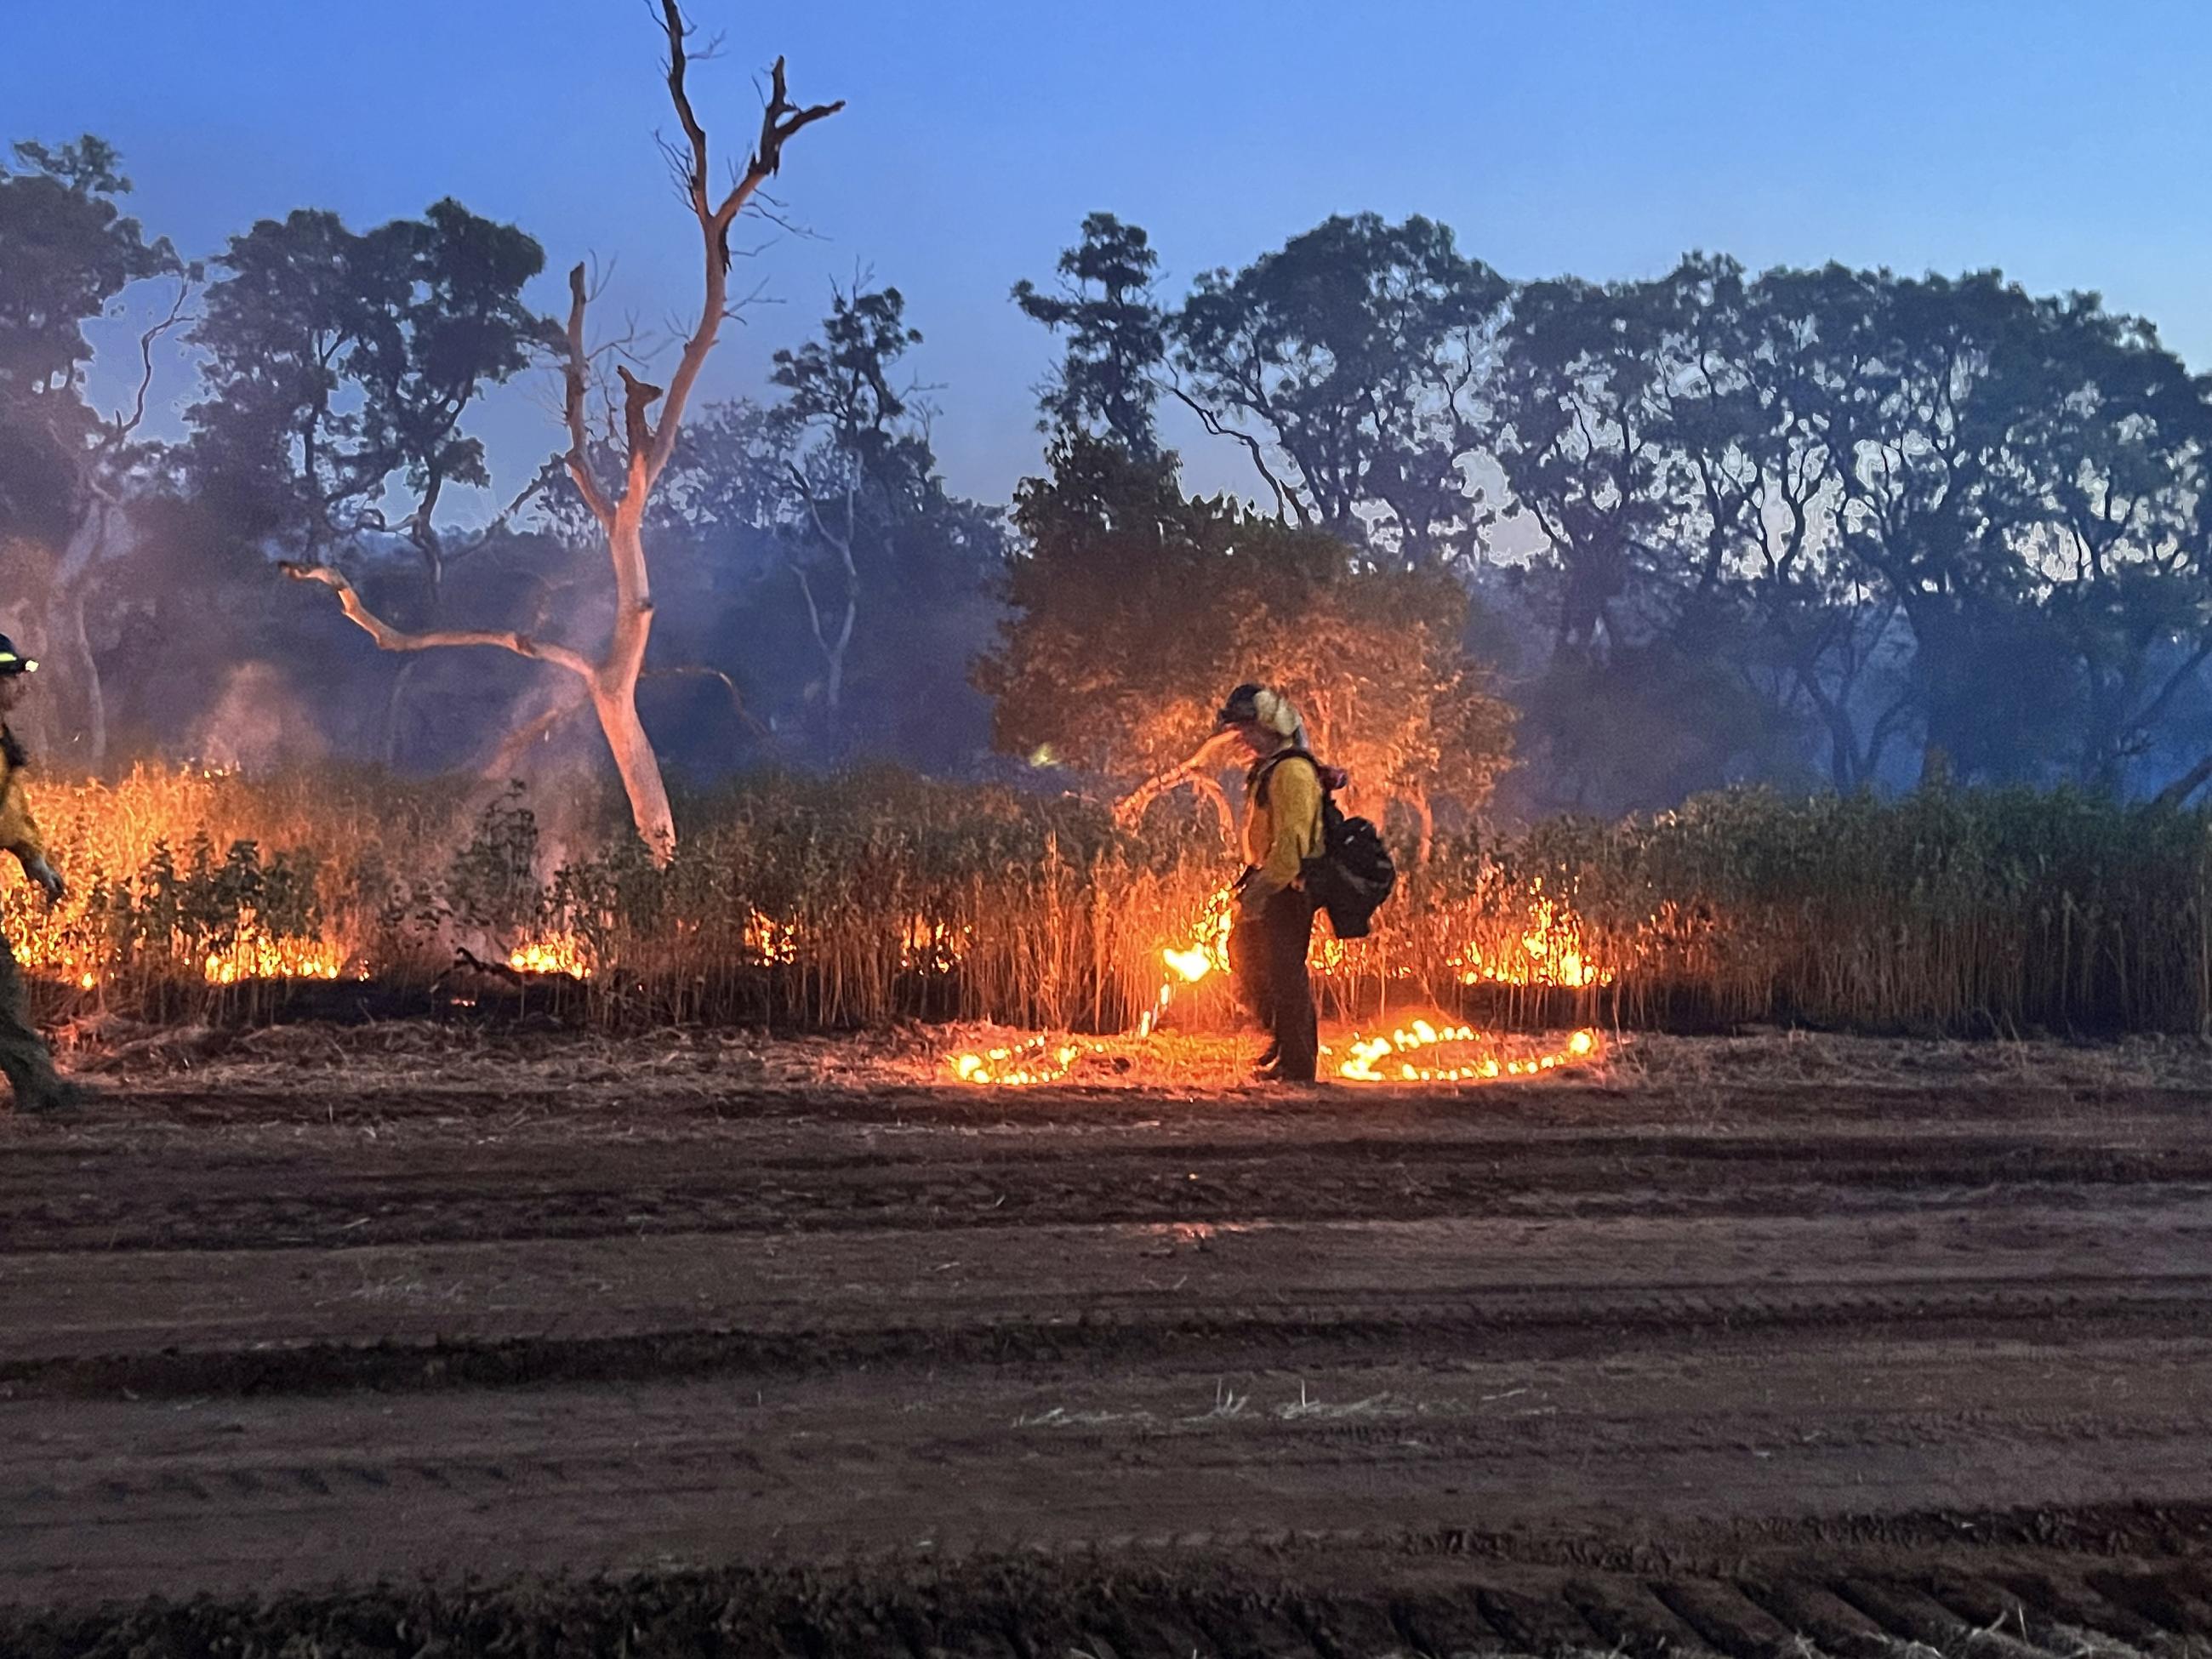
pixel 1262 706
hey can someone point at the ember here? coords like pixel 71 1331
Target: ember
pixel 1037 1060
pixel 1412 1054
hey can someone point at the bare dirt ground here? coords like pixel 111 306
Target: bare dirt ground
pixel 1733 1345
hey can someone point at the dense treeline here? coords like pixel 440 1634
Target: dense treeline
pixel 1824 527
pixel 1833 525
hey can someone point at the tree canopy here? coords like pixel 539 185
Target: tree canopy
pixel 1136 608
pixel 1816 527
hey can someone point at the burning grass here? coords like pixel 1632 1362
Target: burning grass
pixel 1414 1051
pixel 858 902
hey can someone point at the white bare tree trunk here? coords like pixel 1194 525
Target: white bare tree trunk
pixel 95 697
pixel 612 680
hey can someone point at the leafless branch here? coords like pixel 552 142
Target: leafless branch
pixel 693 173
pixel 806 592
pixel 843 544
pixel 1287 499
pixel 781 120
pixel 121 427
pixel 638 396
pixel 574 381
pixel 389 638
pixel 764 206
pixel 519 741
pixel 1198 768
pixel 700 671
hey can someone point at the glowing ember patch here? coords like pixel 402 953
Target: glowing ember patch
pixel 554 953
pixel 1420 1052
pixel 1038 1059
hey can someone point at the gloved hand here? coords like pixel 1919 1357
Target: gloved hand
pixel 47 876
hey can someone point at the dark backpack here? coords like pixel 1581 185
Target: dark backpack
pixel 1353 874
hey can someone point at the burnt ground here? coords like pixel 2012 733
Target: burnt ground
pixel 373 1340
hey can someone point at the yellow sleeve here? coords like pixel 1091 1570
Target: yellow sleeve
pixel 1294 813
pixel 19 830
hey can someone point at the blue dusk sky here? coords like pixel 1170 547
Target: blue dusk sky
pixel 2066 143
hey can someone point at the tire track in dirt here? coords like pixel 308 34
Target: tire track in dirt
pixel 325 1197
pixel 1530 1323
pixel 1378 1373
pixel 1302 1596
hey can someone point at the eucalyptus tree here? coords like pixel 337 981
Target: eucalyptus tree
pixel 1354 365
pixel 68 254
pixel 1108 381
pixel 618 505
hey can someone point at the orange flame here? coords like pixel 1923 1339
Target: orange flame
pixel 1036 1060
pixel 772 942
pixel 1207 950
pixel 1551 953
pixel 1392 1058
pixel 551 953
pixel 257 955
pixel 934 947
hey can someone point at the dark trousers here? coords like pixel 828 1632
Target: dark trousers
pixel 1268 954
pixel 23 1057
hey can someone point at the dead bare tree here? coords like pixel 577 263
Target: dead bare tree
pixel 832 641
pixel 610 679
pixel 102 533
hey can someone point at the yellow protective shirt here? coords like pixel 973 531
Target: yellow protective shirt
pixel 19 830
pixel 1283 830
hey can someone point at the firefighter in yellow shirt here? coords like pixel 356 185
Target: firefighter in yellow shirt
pixel 1274 925
pixel 23 1057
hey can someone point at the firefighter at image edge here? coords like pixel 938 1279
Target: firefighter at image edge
pixel 23 1057
pixel 1274 924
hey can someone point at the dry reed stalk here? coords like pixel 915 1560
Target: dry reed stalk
pixel 829 902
